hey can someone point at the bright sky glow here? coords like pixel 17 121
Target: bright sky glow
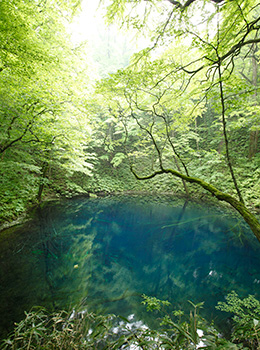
pixel 107 47
pixel 85 24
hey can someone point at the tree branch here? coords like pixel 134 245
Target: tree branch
pixel 19 138
pixel 237 205
pixel 177 4
pixel 225 135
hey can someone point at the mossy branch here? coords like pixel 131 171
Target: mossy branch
pixel 250 219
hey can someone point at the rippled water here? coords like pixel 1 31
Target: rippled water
pixel 107 252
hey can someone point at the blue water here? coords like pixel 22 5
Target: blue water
pixel 105 253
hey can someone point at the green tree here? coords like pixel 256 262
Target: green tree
pixel 165 95
pixel 44 80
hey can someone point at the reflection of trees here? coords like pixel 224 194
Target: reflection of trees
pixel 178 259
pixel 67 259
pixel 109 252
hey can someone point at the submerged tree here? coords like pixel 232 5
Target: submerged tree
pixel 169 85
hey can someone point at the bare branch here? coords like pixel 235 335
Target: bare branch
pixel 223 110
pixel 158 38
pixel 19 138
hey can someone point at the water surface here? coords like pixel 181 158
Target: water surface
pixel 107 252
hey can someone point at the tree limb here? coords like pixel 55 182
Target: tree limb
pixel 19 138
pixel 237 205
pixel 225 135
pixel 177 4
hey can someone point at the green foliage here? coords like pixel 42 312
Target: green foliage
pixel 160 97
pixel 86 330
pixel 164 104
pixel 118 158
pixel 40 330
pixel 152 303
pixel 246 316
pixel 18 188
pixel 185 333
pixel 43 123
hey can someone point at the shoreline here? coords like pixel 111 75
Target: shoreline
pixel 198 197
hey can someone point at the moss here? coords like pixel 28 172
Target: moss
pixel 250 218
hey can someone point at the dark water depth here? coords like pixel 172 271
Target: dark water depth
pixel 108 252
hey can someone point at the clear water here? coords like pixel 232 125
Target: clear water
pixel 107 252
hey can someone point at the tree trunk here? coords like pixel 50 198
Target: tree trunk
pixel 43 177
pixel 253 137
pixel 183 181
pixel 224 127
pixel 253 142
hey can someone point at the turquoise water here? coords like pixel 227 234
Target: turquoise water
pixel 105 253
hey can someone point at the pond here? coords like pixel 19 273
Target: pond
pixel 106 252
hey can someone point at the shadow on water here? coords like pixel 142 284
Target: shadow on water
pixel 110 251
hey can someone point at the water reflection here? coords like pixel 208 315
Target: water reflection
pixel 107 252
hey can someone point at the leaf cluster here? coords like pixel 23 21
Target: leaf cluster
pixel 86 330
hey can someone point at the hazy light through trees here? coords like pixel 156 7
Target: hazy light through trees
pixel 108 46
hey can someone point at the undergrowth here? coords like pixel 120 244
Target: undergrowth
pixel 86 330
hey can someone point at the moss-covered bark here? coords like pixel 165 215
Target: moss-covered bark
pixel 239 206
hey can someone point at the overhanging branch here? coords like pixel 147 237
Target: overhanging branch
pixel 237 205
pixel 177 4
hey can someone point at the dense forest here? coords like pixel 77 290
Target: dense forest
pixel 179 115
pixel 186 105
pixel 182 112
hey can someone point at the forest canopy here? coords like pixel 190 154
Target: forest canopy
pixel 182 113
